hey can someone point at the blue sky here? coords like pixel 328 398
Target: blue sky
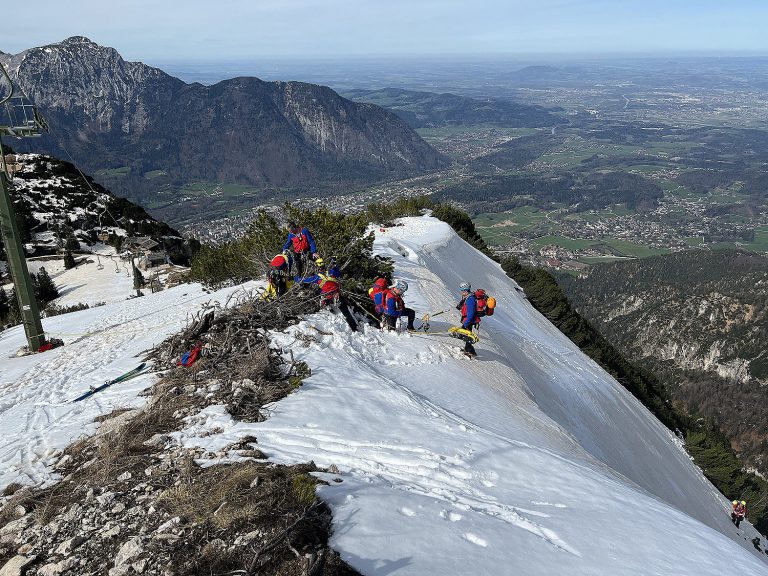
pixel 250 29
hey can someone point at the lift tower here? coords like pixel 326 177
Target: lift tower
pixel 18 118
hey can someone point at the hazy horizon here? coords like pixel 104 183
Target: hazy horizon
pixel 142 30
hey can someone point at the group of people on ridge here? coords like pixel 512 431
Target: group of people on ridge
pixel 327 274
pixel 388 302
pixel 300 248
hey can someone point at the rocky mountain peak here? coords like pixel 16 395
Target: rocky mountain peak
pixel 116 114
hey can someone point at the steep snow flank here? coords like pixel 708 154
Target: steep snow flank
pixel 36 420
pixel 530 460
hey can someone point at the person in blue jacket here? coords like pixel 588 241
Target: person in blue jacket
pixel 469 316
pixel 300 238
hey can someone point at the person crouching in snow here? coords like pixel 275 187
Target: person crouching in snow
pixel 394 307
pixel 278 281
pixel 738 512
pixel 328 278
pixel 378 293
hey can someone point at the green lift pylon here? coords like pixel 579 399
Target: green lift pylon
pixel 20 119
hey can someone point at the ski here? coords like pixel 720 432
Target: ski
pixel 122 378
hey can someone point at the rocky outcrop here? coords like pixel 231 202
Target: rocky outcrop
pixel 59 207
pixel 112 113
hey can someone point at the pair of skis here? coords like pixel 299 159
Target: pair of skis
pixel 138 371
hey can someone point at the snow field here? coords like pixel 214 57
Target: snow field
pixel 36 419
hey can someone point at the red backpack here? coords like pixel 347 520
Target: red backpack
pixel 485 304
pixel 378 294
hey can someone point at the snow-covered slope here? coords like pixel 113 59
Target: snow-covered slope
pixel 529 460
pixel 36 419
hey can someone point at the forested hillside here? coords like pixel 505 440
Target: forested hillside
pixel 700 321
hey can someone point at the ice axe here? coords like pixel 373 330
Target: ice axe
pixel 426 317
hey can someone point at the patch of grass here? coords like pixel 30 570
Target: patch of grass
pixel 626 248
pixel 299 372
pixel 114 172
pixel 304 488
pixel 563 242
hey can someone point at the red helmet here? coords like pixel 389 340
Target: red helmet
pixel 381 283
pixel 278 261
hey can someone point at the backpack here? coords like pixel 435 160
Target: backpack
pixel 300 242
pixel 485 304
pixel 189 358
pixel 378 294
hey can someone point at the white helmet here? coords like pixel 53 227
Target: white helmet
pixel 465 287
pixel 401 285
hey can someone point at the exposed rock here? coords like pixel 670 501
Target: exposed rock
pixel 57 568
pixel 66 547
pixel 106 498
pixel 128 551
pixel 15 566
pixel 12 529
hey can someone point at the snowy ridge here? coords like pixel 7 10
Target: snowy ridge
pixel 530 460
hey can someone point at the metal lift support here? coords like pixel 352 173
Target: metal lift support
pixel 20 120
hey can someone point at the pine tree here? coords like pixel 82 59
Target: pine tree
pixel 69 261
pixel 46 290
pixel 14 314
pixel 5 307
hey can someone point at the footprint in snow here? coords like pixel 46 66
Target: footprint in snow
pixel 548 504
pixel 407 512
pixel 452 516
pixel 474 539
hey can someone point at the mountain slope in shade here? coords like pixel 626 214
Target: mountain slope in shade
pixel 112 113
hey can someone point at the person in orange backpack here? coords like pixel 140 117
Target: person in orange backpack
pixel 469 317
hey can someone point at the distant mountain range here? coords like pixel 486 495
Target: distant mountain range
pixel 427 109
pixel 109 113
